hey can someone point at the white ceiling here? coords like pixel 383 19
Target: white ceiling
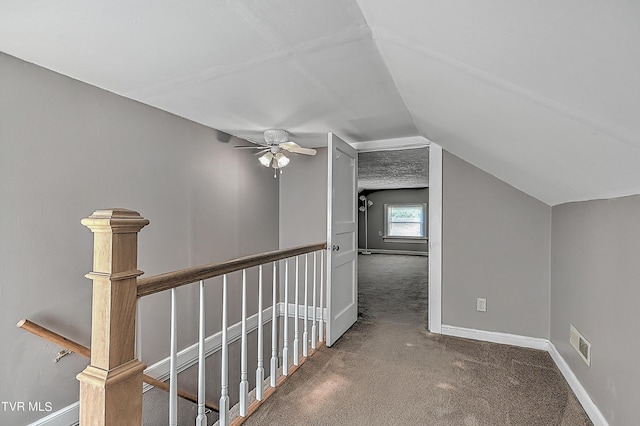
pixel 542 94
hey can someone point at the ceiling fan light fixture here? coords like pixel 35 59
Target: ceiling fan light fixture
pixel 282 160
pixel 276 144
pixel 265 160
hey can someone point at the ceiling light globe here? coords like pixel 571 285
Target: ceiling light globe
pixel 282 160
pixel 265 160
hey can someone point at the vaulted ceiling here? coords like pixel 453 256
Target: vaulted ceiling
pixel 542 94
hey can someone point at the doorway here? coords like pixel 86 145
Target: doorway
pixel 400 203
pixel 303 212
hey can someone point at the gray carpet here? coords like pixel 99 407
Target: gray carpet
pixel 388 369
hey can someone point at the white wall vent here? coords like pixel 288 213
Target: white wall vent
pixel 580 344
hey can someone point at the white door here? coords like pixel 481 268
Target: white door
pixel 342 238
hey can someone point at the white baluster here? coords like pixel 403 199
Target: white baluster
pixel 305 334
pixel 285 337
pixel 321 322
pixel 314 330
pixel 260 368
pixel 244 383
pixel 296 343
pixel 224 365
pixel 173 366
pixel 201 420
pixel 274 331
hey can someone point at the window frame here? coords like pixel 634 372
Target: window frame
pixel 405 239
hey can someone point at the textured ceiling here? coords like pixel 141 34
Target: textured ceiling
pixel 407 168
pixel 542 94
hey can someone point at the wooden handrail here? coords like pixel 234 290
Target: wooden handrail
pixel 54 337
pixel 62 341
pixel 169 280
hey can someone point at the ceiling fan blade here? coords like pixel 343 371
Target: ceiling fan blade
pixel 294 147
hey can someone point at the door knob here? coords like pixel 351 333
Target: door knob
pixel 335 247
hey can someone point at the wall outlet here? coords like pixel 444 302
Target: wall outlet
pixel 580 344
pixel 481 304
pixel 379 233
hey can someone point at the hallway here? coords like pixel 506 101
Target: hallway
pixel 388 369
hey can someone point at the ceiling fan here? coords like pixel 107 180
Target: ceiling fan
pixel 276 143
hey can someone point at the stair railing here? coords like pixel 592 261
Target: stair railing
pixel 74 347
pixel 111 386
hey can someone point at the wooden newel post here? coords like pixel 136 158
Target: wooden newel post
pixel 111 386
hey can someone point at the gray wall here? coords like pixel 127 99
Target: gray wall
pixel 595 275
pixel 376 218
pixel 495 245
pixel 303 200
pixel 68 148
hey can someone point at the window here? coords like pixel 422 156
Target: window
pixel 405 221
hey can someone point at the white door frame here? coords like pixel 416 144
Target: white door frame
pixel 435 216
pixel 435 238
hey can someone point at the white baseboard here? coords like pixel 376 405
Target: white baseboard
pixel 496 337
pixel 534 343
pixel 383 251
pixel 291 312
pixel 581 393
pixel 69 415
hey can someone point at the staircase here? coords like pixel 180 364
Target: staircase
pixel 259 318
